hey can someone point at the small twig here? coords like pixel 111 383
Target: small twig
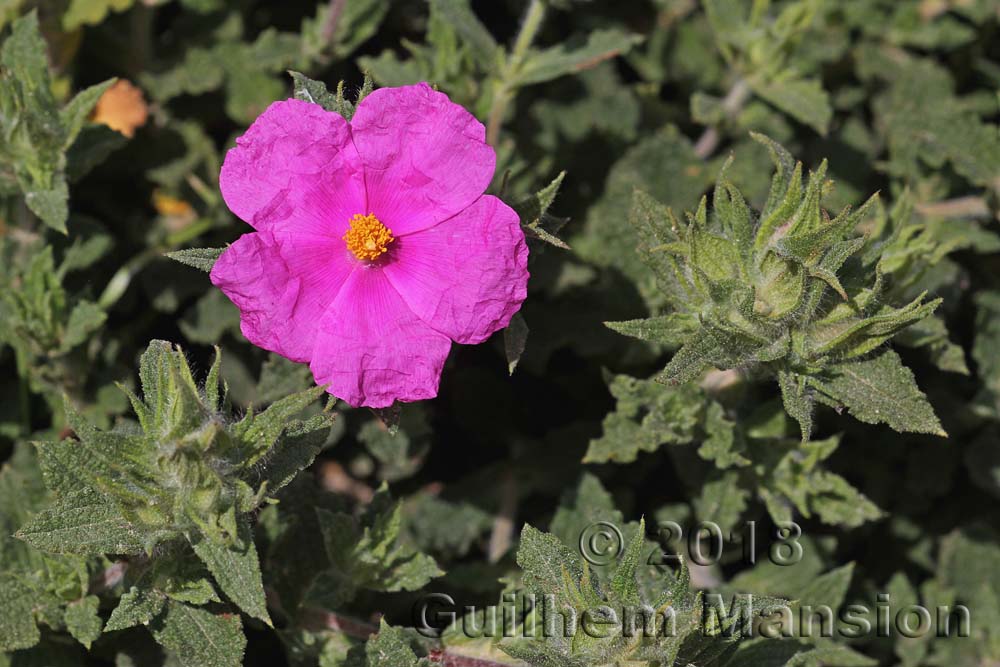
pixel 971 207
pixel 329 31
pixel 503 525
pixel 731 105
pixel 704 577
pixel 315 619
pixel 931 9
pixel 674 12
pixel 334 478
pixel 22 236
pixel 109 578
pixel 716 381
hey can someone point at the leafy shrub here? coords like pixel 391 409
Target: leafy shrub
pixel 755 374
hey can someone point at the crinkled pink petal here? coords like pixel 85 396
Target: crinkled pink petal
pixel 295 169
pixel 426 158
pixel 283 284
pixel 467 276
pixel 372 350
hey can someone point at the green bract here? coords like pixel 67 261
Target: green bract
pixel 781 293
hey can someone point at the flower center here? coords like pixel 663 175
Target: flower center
pixel 368 237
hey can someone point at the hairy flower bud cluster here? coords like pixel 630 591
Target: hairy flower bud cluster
pixel 776 292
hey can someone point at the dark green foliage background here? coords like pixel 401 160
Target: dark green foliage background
pixel 902 97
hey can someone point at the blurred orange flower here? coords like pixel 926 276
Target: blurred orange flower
pixel 122 108
pixel 176 213
pixel 171 206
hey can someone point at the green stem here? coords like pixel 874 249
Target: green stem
pixel 207 194
pixel 182 236
pixel 123 277
pixel 529 29
pixel 24 394
pixel 506 87
pixel 141 34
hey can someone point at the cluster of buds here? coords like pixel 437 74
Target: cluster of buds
pixel 776 293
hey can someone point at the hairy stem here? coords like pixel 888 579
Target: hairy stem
pixel 970 207
pixel 122 278
pixel 315 619
pixel 506 87
pixel 332 21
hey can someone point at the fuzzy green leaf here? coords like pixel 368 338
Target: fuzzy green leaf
pixel 515 338
pixel 624 586
pixel 535 218
pixel 236 568
pixel 836 502
pixel 24 54
pixel 83 523
pixel 802 99
pixel 647 416
pixel 796 653
pixel 798 401
pixel 881 390
pixel 443 527
pixel 136 607
pixel 83 621
pixel 549 567
pixel 723 442
pixel 198 638
pixel 17 619
pixel 84 319
pixel 299 445
pixel 200 258
pixel 91 12
pixel 457 13
pixel 985 347
pixel 256 434
pixel 390 647
pixel 722 501
pixel 558 61
pixel 51 204
pixel 308 90
pixel 368 556
pixel 669 330
pixel 926 123
pixel 75 114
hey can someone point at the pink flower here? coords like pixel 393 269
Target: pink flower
pixel 375 246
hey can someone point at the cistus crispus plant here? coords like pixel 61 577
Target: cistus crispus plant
pixel 534 333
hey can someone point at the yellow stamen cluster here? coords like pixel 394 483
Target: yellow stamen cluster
pixel 368 238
